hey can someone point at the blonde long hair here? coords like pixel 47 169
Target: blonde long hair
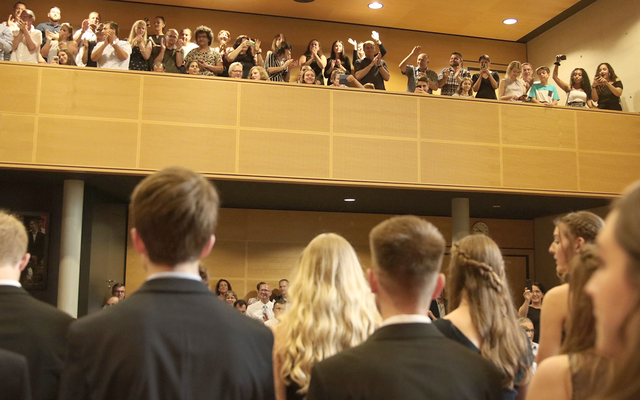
pixel 132 34
pixel 331 308
pixel 477 271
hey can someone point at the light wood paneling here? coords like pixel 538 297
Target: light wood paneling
pixel 604 173
pixel 273 260
pixel 531 126
pixel 508 233
pixel 609 132
pixel 294 108
pixel 284 154
pixel 201 149
pixel 87 142
pixel 168 99
pixel 226 260
pixel 459 120
pixel 283 227
pixel 19 89
pixel 375 159
pixel 540 169
pixel 81 93
pixel 379 115
pixel 460 164
pixel 16 136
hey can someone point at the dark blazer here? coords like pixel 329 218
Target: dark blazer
pixel 37 246
pixel 172 339
pixel 14 371
pixel 37 331
pixel 405 361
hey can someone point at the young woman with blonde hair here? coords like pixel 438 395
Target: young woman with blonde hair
pixel 331 308
pixel 512 88
pixel 484 318
pixel 141 47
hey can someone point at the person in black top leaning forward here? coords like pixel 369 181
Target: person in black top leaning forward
pixel 486 82
pixel 407 358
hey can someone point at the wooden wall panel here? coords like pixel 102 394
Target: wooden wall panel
pixel 225 260
pixel 541 169
pixel 375 159
pixel 16 137
pixel 19 89
pixel 530 126
pixel 604 131
pixel 190 100
pixel 272 260
pixel 76 142
pixel 459 119
pixel 361 113
pixel 284 154
pixel 604 173
pixel 76 92
pixel 460 164
pixel 201 149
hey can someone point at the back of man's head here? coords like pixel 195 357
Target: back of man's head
pixel 407 254
pixel 13 240
pixel 175 212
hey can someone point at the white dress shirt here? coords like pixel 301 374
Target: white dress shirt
pixel 258 309
pixel 109 59
pixel 22 53
pixel 406 319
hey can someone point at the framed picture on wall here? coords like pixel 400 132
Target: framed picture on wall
pixel 34 276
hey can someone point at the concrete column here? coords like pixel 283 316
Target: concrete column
pixel 69 278
pixel 460 218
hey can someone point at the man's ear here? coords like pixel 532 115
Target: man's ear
pixel 24 261
pixel 138 244
pixel 372 277
pixel 207 248
pixel 440 282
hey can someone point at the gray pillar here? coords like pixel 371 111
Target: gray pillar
pixel 460 219
pixel 69 279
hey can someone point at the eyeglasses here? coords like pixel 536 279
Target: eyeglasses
pixel 528 330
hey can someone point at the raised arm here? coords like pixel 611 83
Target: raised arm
pixel 563 85
pixel 403 63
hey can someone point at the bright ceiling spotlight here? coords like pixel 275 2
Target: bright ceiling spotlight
pixel 349 200
pixel 509 21
pixel 375 5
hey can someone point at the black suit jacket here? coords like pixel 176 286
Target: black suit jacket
pixel 14 371
pixel 172 339
pixel 37 331
pixel 405 361
pixel 37 245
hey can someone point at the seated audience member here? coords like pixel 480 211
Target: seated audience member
pixel 140 46
pixel 28 326
pixel 247 52
pixel 86 49
pixel 372 68
pixel 235 70
pixel 241 306
pixel 615 291
pixel 252 300
pixel 208 59
pixel 607 88
pixel 231 297
pixel 279 38
pixel 314 59
pixel 223 39
pixel 12 21
pixel 413 73
pixel 258 73
pixel 52 25
pixel 88 29
pixel 528 328
pixel 579 88
pixel 483 318
pixel 14 370
pixel 111 301
pixel 358 51
pixel 422 85
pixel 159 67
pixel 283 286
pixel 308 77
pixel 450 78
pixel 578 372
pixel 26 44
pixel 279 63
pixel 170 55
pixel 6 43
pixel 185 43
pixel 532 307
pixel 486 81
pixel 527 76
pixel 118 290
pixel 571 232
pixel 512 88
pixel 65 58
pixel 193 68
pixel 263 308
pixel 112 52
pixel 331 309
pixel 64 41
pixel 222 287
pixel 337 61
pixel 543 92
pixel 279 307
pixel 176 330
pixel 465 89
pixel 347 80
pixel 407 357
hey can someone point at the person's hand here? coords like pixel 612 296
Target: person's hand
pixel 558 56
pixel 85 25
pixel 179 44
pixel 377 60
pixel 416 50
pixel 527 294
pixel 48 35
pixel 375 36
pixel 447 73
pixel 22 25
pixel 333 63
pixel 433 317
pixel 265 317
pixel 353 42
pixel 257 47
pixel 350 78
pixel 85 43
pixel 163 45
pixel 338 63
pixel 515 97
pixel 419 90
pixel 294 63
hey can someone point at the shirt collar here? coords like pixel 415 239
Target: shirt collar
pixel 10 282
pixel 174 274
pixel 407 319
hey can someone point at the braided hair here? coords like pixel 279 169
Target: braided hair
pixel 580 224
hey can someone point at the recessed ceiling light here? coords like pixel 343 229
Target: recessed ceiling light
pixel 375 5
pixel 303 1
pixel 509 21
pixel 497 206
pixel 349 200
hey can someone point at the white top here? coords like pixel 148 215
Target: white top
pixel 174 274
pixel 514 87
pixel 109 59
pixel 187 48
pixel 22 53
pixel 257 309
pixel 406 319
pixel 577 96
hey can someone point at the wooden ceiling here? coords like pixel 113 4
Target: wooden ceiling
pixel 474 18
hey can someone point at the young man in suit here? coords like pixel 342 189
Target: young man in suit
pixel 171 339
pixel 28 326
pixel 407 357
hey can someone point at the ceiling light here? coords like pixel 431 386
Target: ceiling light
pixel 375 5
pixel 497 206
pixel 303 1
pixel 509 21
pixel 349 200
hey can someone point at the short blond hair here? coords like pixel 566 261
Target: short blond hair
pixel 13 239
